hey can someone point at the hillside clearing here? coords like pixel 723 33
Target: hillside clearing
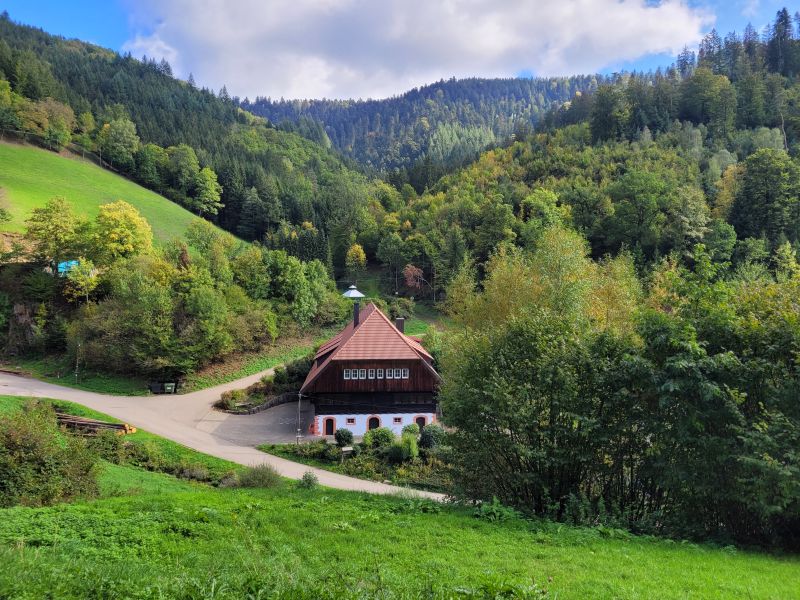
pixel 30 176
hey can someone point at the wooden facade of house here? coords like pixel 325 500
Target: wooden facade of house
pixel 371 373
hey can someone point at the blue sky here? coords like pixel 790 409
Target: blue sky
pixel 371 48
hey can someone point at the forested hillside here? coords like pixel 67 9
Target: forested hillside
pixel 196 147
pixel 627 323
pixel 426 131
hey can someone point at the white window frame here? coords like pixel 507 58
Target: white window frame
pixel 371 374
pixel 379 374
pixel 398 373
pixel 347 373
pixel 389 373
pixel 362 373
pixel 405 373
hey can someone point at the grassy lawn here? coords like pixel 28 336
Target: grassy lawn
pixel 30 176
pixel 153 536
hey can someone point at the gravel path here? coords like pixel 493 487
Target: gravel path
pixel 190 420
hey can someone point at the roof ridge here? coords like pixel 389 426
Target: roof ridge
pixel 341 347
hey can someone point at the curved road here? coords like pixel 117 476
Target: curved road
pixel 190 420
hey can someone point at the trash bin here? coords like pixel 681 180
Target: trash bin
pixel 169 387
pixel 156 387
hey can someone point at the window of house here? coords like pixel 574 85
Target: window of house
pixel 405 373
pixel 398 420
pixel 398 373
pixel 351 420
pixel 389 374
pixel 347 373
pixel 362 373
pixel 371 374
pixel 380 373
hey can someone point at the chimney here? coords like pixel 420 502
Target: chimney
pixel 355 314
pixel 400 323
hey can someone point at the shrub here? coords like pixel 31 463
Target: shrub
pixel 229 480
pixel 109 446
pixel 395 453
pixel 195 472
pixel 432 435
pixel 412 429
pixel 410 448
pixel 147 455
pixel 260 476
pixel 404 450
pixel 231 399
pixel 332 453
pixel 401 308
pixel 380 437
pixel 344 437
pixel 309 481
pixel 495 512
pixel 40 465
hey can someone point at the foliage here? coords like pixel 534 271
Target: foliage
pixel 260 476
pixel 380 437
pixel 664 423
pixel 411 429
pixel 431 436
pixel 39 465
pixel 308 481
pixel 422 132
pixel 344 437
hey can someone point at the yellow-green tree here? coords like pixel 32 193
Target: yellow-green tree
pixel 52 232
pixel 119 232
pixel 355 261
pixel 82 280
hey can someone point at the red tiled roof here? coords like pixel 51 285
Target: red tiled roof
pixel 375 338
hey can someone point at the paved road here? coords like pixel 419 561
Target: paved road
pixel 189 419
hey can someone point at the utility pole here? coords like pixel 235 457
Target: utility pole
pixel 297 435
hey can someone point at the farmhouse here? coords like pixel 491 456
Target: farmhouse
pixel 371 375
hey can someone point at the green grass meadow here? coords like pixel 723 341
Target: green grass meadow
pixel 154 536
pixel 30 176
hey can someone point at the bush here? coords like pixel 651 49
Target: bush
pixel 432 435
pixel 39 465
pixel 147 455
pixel 229 480
pixel 229 400
pixel 309 481
pixel 290 378
pixel 412 429
pixel 401 308
pixel 404 450
pixel 109 446
pixel 410 448
pixel 495 512
pixel 260 476
pixel 344 437
pixel 395 453
pixel 195 472
pixel 380 437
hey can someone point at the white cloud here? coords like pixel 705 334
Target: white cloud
pixel 376 48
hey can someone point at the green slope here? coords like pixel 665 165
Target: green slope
pixel 30 176
pixel 163 538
